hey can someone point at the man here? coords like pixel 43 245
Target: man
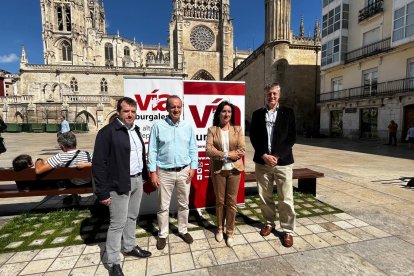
pixel 64 125
pixel 273 134
pixel 173 151
pixel 392 133
pixel 119 170
pixel 69 157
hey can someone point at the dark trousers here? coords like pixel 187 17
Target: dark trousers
pixel 392 137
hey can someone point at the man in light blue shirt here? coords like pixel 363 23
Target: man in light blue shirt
pixel 173 151
pixel 64 125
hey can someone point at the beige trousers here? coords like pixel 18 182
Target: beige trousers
pixel 281 176
pixel 169 180
pixel 226 187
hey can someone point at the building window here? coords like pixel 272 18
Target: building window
pixel 109 54
pixel 336 87
pixel 327 2
pixel 331 21
pixel 66 51
pixel 104 86
pixel 150 58
pixel 64 18
pixel 126 51
pixel 330 52
pixel 74 85
pixel 371 36
pixel 370 80
pixel 410 72
pixel 403 22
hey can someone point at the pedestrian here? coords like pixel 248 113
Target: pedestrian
pixel 392 133
pixel 172 161
pixel 3 127
pixel 64 125
pixel 69 157
pixel 119 170
pixel 410 136
pixel 225 147
pixel 273 134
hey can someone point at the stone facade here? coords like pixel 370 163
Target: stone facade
pixel 84 67
pixel 293 61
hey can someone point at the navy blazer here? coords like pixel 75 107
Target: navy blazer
pixel 111 160
pixel 284 135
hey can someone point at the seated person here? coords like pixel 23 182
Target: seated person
pixel 24 161
pixel 69 157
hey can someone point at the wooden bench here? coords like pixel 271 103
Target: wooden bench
pixel 306 179
pixel 10 189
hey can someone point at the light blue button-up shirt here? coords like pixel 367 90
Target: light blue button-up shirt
pixel 172 145
pixel 64 126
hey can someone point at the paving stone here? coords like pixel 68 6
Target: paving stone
pixel 301 245
pixel 305 221
pixel 142 242
pixel 174 238
pixel 199 245
pixel 63 263
pixel 48 253
pixel 5 235
pixel 357 222
pixel 344 216
pixel 214 244
pixel 84 271
pixel 88 260
pixel 14 244
pixel 280 249
pixel 253 237
pixel 264 249
pixel 39 266
pixel 154 267
pixel 224 255
pixel 24 256
pixel 12 269
pixel 67 230
pixel 198 234
pixel 343 224
pixel 156 253
pixel 72 250
pixel 182 262
pixel 179 247
pixel 5 257
pixel 318 219
pixel 239 239
pixel 38 242
pixel 331 238
pixel 47 232
pixel 245 252
pixel 330 226
pixel 316 228
pixel 134 267
pixel 375 232
pixel 361 234
pixel 302 230
pixel 60 273
pixel 27 234
pixel 315 241
pixel 346 236
pixel 59 240
pixel 204 258
pixel 93 248
pixel 246 229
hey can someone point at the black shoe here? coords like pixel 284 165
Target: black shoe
pixel 138 252
pixel 116 270
pixel 68 200
pixel 187 238
pixel 161 242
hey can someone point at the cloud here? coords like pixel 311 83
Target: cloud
pixel 9 58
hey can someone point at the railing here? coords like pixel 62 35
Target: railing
pixel 389 88
pixel 369 50
pixel 86 99
pixel 16 99
pixel 371 10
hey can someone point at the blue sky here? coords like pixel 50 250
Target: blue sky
pixel 146 20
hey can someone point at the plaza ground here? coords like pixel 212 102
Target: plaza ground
pixel 365 179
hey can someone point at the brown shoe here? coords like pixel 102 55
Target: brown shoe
pixel 266 230
pixel 287 239
pixel 161 243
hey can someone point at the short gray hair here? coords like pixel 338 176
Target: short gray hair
pixel 271 85
pixel 67 139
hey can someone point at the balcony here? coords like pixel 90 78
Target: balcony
pixel 389 88
pixel 86 99
pixel 369 50
pixel 371 10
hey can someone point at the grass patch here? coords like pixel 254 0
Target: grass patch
pixel 71 227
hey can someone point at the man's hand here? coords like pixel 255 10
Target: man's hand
pixel 154 180
pixel 270 159
pixel 191 173
pixel 106 202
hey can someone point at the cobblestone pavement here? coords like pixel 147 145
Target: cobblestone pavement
pixel 365 179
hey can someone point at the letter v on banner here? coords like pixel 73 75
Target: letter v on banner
pixel 201 99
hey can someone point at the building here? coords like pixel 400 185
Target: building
pixel 292 60
pixel 84 67
pixel 367 67
pixel 7 83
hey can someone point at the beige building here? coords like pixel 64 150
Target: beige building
pixel 84 67
pixel 367 67
pixel 8 85
pixel 292 60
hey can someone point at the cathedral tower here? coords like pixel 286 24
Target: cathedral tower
pixel 277 20
pixel 201 38
pixel 69 28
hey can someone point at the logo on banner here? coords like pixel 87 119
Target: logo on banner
pixel 201 120
pixel 144 101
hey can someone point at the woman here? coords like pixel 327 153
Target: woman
pixel 225 147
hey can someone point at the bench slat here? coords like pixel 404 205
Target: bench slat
pixel 10 190
pixel 30 174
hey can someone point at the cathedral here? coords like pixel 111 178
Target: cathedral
pixel 84 67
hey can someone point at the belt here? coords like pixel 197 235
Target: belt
pixel 136 175
pixel 176 169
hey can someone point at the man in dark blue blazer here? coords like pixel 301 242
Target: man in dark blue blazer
pixel 273 134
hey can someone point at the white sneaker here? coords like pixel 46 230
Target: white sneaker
pixel 230 241
pixel 219 236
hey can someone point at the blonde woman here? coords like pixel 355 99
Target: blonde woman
pixel 225 147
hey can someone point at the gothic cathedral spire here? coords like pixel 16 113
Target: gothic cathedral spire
pixel 277 20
